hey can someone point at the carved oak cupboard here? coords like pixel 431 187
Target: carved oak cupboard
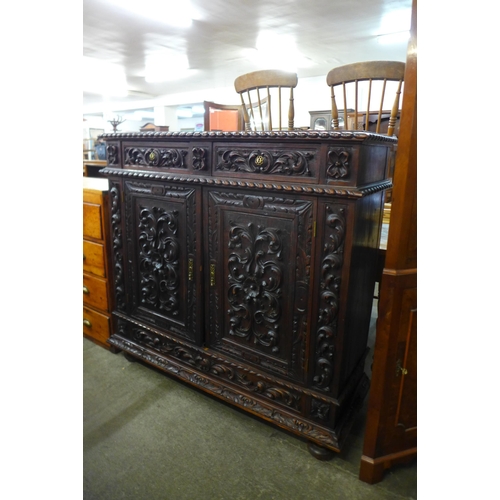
pixel 244 264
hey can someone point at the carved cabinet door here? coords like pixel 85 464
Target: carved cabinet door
pixel 163 246
pixel 259 261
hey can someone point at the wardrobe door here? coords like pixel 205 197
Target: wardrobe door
pixel 163 229
pixel 259 262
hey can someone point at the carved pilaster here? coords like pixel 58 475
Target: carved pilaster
pixel 116 230
pixel 330 280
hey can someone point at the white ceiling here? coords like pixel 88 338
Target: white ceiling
pixel 221 42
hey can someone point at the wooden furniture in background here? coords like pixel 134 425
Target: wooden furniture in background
pixel 349 77
pixel 322 120
pixel 223 117
pixel 391 428
pixel 91 167
pixel 151 127
pixel 245 265
pixel 97 292
pixel 258 99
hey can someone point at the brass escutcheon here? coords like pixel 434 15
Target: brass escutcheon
pixel 259 160
pixel 212 274
pixel 190 269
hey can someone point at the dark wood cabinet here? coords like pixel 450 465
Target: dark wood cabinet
pixel 245 263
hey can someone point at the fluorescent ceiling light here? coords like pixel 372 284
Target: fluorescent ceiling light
pixel 395 27
pixel 104 78
pixel 178 13
pixel 396 21
pixel 166 65
pixel 277 52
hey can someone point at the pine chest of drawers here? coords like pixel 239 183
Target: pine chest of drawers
pixel 245 264
pixel 97 293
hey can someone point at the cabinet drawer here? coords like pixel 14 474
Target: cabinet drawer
pixel 96 325
pixel 95 292
pixel 93 258
pixel 92 227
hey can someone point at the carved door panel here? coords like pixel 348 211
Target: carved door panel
pixel 164 247
pixel 259 261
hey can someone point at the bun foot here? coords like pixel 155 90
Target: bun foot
pixel 319 452
pixel 129 357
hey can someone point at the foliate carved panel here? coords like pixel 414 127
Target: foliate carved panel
pixel 200 158
pixel 259 298
pixel 338 164
pixel 112 153
pixel 329 298
pixel 255 278
pixel 158 258
pixel 163 280
pixel 117 245
pixel 261 161
pixel 320 410
pixel 156 157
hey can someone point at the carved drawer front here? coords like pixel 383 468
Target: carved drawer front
pixel 180 157
pixel 259 279
pixel 95 292
pixel 95 324
pixel 93 258
pixel 164 245
pixel 262 161
pixel 92 227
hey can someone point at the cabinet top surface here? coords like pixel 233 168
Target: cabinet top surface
pixel 95 183
pixel 265 135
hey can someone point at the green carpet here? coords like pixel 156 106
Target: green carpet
pixel 148 436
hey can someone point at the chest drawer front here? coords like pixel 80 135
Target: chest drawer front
pixel 93 258
pixel 268 162
pixel 92 227
pixel 95 292
pixel 95 324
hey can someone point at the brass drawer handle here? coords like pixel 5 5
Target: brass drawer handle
pixel 85 290
pixel 86 322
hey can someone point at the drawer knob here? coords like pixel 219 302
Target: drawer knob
pixel 85 290
pixel 86 322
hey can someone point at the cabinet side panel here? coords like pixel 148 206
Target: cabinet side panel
pixel 362 275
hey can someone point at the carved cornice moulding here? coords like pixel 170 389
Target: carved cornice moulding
pixel 245 184
pixel 307 135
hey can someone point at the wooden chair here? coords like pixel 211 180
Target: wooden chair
pixel 376 74
pixel 223 117
pixel 257 109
